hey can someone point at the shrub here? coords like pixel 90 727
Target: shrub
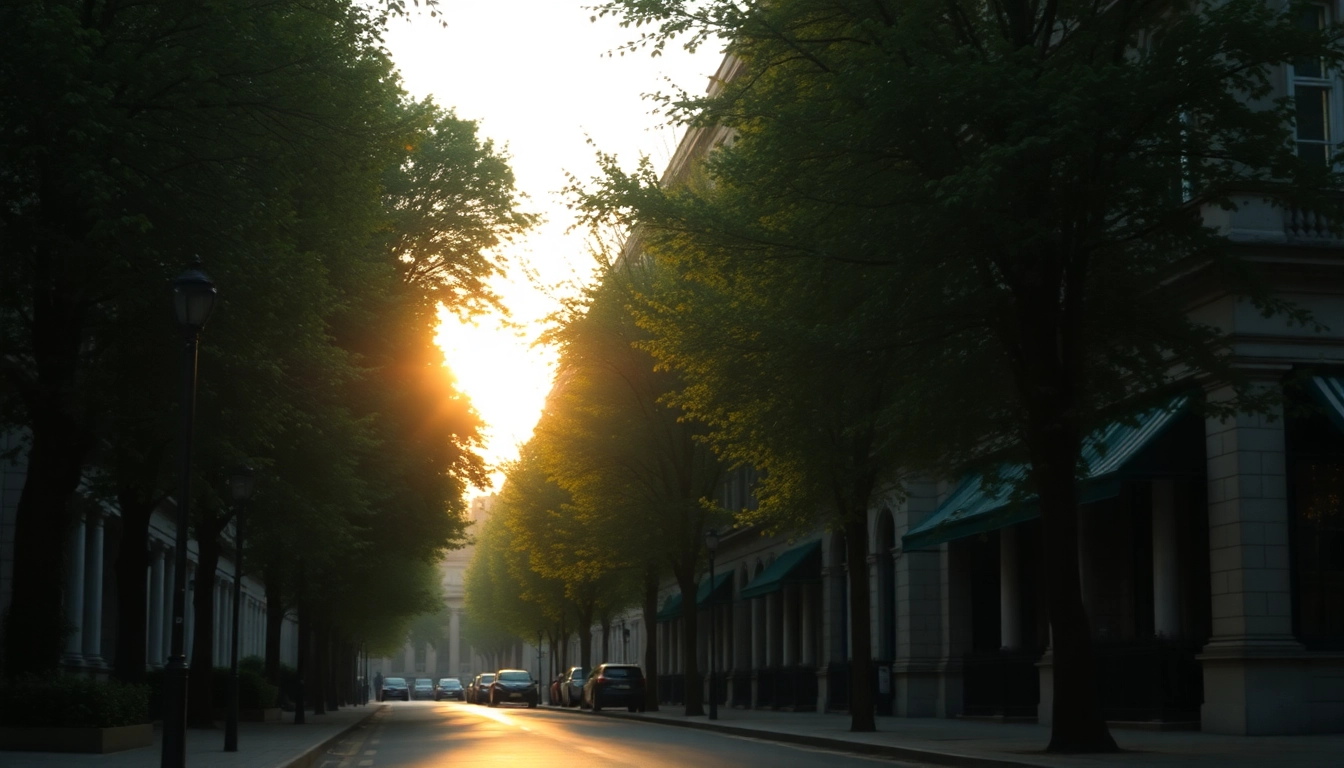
pixel 253 690
pixel 68 701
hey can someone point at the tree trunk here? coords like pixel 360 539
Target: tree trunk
pixel 862 696
pixel 305 658
pixel 1078 724
pixel 131 566
pixel 58 450
pixel 317 692
pixel 650 610
pixel 606 639
pixel 201 678
pixel 690 643
pixel 275 622
pixel 1047 374
pixel 35 624
pixel 586 639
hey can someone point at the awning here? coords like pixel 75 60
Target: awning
pixel 672 605
pixel 798 565
pixel 1329 392
pixel 977 506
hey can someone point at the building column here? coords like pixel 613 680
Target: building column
pixel 154 633
pixel 74 592
pixel 807 645
pixel 189 608
pixel 774 623
pixel 1010 591
pixel 1254 678
pixel 1166 561
pixel 93 590
pixel 789 624
pixel 917 671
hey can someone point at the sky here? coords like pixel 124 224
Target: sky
pixel 537 76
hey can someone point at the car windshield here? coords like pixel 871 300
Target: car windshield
pixel 487 678
pixel 423 684
pixel 515 677
pixel 577 674
pixel 621 672
pixel 450 682
pixel 393 682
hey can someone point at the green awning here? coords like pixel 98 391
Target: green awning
pixel 798 565
pixel 1329 391
pixel 977 506
pixel 672 605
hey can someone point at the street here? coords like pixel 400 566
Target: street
pixel 421 734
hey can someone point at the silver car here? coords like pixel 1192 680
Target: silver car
pixel 571 686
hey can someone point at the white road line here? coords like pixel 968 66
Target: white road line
pixel 370 752
pixel 365 763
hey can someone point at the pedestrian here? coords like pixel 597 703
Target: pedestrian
pixel 378 686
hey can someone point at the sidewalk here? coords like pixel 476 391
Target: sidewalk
pixel 260 745
pixel 978 743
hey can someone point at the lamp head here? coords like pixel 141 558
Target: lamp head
pixel 194 297
pixel 241 482
pixel 711 540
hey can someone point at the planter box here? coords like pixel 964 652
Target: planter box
pixel 271 715
pixel 94 740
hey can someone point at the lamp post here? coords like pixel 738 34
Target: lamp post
pixel 625 643
pixel 539 669
pixel 711 544
pixel 194 297
pixel 241 482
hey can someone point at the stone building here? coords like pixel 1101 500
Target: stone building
pixel 1212 549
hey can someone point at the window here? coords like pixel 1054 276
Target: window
pixel 1318 553
pixel 1314 97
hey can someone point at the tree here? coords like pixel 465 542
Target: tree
pixel 1039 171
pixel 629 459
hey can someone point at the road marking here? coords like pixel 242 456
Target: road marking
pixel 366 763
pixel 370 752
pixel 373 741
pixel 594 751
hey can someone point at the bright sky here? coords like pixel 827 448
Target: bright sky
pixel 536 75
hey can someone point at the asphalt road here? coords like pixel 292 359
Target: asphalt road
pixel 424 734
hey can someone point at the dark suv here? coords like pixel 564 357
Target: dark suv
pixel 513 686
pixel 396 688
pixel 614 685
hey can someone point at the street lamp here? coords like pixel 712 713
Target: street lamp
pixel 194 299
pixel 712 544
pixel 539 670
pixel 241 482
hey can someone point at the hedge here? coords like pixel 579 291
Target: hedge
pixel 68 701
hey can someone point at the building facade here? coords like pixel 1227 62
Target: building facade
pixel 90 597
pixel 1212 550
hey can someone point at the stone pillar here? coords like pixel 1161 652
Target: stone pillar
pixel 154 633
pixel 74 592
pixel 189 620
pixel 93 590
pixel 1166 561
pixel 789 650
pixel 956 631
pixel 919 576
pixel 1252 666
pixel 875 613
pixel 808 610
pixel 758 633
pixel 774 625
pixel 1010 591
pixel 455 641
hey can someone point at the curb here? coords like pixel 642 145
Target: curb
pixel 311 755
pixel 823 742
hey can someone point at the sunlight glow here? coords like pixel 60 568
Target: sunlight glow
pixel 536 75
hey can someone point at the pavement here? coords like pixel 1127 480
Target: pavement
pixel 941 741
pixel 260 745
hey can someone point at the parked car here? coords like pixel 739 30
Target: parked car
pixel 424 688
pixel 571 686
pixel 395 688
pixel 481 690
pixel 450 688
pixel 514 686
pixel 614 685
